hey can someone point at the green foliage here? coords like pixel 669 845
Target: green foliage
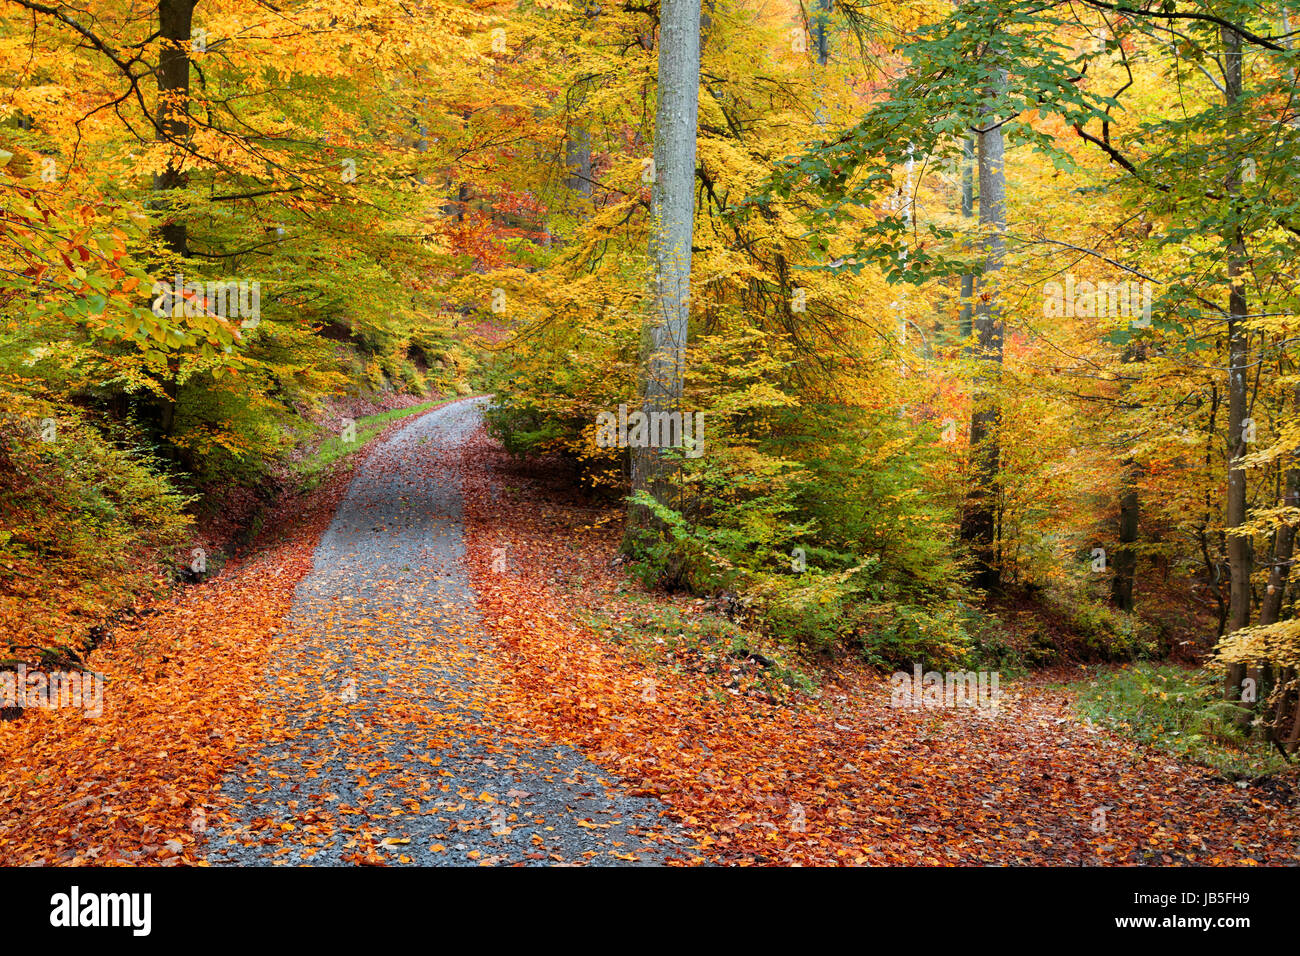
pixel 81 516
pixel 1179 711
pixel 1006 59
pixel 873 497
pixel 814 610
pixel 522 428
pixel 898 634
pixel 993 649
pixel 1102 632
pixel 226 433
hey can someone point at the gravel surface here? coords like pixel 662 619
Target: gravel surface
pixel 388 681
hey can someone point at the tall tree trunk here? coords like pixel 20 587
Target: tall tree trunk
pixel 1270 608
pixel 819 25
pixel 979 520
pixel 1237 545
pixel 821 30
pixel 1270 611
pixel 577 142
pixel 1121 585
pixel 577 157
pixel 175 26
pixel 455 206
pixel 967 210
pixel 175 29
pixel 671 233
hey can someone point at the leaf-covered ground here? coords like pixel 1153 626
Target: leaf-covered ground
pixel 844 778
pixel 499 725
pixel 181 706
pixel 184 706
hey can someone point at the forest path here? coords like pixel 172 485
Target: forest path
pixel 651 685
pixel 437 708
pixel 388 680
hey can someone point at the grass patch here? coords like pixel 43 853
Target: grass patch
pixel 1177 710
pixel 333 449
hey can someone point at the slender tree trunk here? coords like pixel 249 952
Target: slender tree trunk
pixel 577 157
pixel 1270 608
pixel 1284 697
pixel 1293 738
pixel 577 143
pixel 821 31
pixel 1121 585
pixel 967 210
pixel 1238 546
pixel 820 27
pixel 980 517
pixel 671 233
pixel 175 26
pixel 456 206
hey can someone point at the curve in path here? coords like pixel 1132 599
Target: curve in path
pixel 387 680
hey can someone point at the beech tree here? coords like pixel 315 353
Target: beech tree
pixel 980 520
pixel 671 233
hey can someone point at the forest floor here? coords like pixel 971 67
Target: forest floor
pixel 444 661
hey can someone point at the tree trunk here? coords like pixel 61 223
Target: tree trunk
pixel 979 520
pixel 1121 585
pixel 819 25
pixel 821 30
pixel 967 210
pixel 577 157
pixel 671 233
pixel 1238 546
pixel 577 141
pixel 1270 608
pixel 175 29
pixel 175 26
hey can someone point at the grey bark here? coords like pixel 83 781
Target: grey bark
pixel 577 143
pixel 1270 608
pixel 671 233
pixel 967 210
pixel 824 9
pixel 979 520
pixel 577 158
pixel 1121 585
pixel 1238 546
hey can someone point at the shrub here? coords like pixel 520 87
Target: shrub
pixel 84 523
pixel 1178 710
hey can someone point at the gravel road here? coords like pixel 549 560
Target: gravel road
pixel 388 679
